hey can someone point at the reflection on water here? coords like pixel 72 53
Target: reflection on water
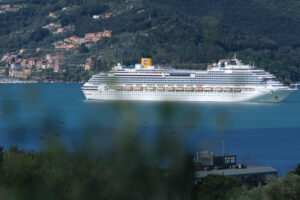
pixel 264 134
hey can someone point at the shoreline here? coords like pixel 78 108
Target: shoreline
pixel 18 81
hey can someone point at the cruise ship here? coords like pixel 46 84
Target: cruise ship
pixel 229 80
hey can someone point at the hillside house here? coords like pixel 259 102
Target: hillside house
pixel 10 58
pixel 22 51
pixel 90 62
pixel 96 17
pixel 32 62
pixel 75 40
pixel 66 46
pixel 92 37
pixel 131 7
pixel 108 15
pixel 41 64
pixel 52 15
pixel 38 50
pixel 59 30
pixel 88 67
pixel 17 71
pixel 106 33
pixel 5 6
pixel 12 9
pixel 57 67
pixel 54 58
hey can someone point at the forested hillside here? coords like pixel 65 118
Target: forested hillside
pixel 185 34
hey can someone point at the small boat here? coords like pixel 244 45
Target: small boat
pixel 170 88
pixel 237 89
pixel 219 89
pixel 179 88
pixel 161 88
pixel 118 87
pixel 227 89
pixel 199 89
pixel 138 88
pixel 208 89
pixel 128 88
pixel 189 89
pixel 150 88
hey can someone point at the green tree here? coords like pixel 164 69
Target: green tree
pixel 286 188
pixel 39 34
pixel 297 170
pixel 218 187
pixel 83 49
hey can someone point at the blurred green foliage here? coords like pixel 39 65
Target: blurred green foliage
pixel 286 188
pixel 218 187
pixel 297 170
pixel 58 174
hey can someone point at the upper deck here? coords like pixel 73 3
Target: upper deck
pixel 227 67
pixel 225 72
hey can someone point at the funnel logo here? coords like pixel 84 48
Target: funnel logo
pixel 145 62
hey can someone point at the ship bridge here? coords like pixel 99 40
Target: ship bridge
pixel 231 64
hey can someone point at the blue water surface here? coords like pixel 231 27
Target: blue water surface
pixel 259 134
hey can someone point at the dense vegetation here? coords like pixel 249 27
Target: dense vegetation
pixel 188 34
pixel 58 174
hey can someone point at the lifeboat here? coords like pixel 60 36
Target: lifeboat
pixel 128 88
pixel 118 87
pixel 161 88
pixel 138 88
pixel 219 89
pixel 227 89
pixel 170 88
pixel 150 88
pixel 179 88
pixel 189 89
pixel 199 89
pixel 208 89
pixel 237 89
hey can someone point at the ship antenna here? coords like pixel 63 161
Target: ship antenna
pixel 235 56
pixel 223 147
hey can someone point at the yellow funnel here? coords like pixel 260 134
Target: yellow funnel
pixel 146 62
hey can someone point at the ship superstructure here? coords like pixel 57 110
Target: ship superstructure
pixel 229 80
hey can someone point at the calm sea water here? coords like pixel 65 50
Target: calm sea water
pixel 259 134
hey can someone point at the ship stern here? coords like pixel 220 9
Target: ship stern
pixel 89 90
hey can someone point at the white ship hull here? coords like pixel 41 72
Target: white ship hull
pixel 251 96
